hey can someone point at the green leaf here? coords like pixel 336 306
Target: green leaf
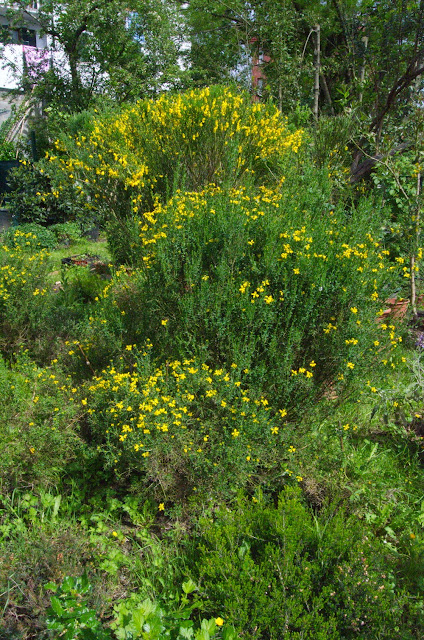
pixel 69 583
pixel 186 631
pixel 57 606
pixel 138 619
pixel 189 586
pixel 229 633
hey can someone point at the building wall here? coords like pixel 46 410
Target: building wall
pixel 14 53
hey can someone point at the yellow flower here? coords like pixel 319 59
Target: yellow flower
pixel 354 309
pixel 274 431
pixel 164 322
pixel 296 271
pixel 161 507
pixel 350 365
pixel 219 622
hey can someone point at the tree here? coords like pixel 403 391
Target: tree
pixel 371 57
pixel 124 48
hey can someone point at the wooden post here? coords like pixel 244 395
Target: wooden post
pixel 417 244
pixel 317 70
pixel 362 72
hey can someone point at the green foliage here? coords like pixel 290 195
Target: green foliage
pixel 153 621
pixel 282 571
pixel 32 199
pixel 195 424
pixel 68 614
pixel 237 277
pixel 23 294
pixel 398 180
pixel 38 436
pixel 182 403
pixel 7 150
pixel 29 237
pixel 125 49
pixel 67 233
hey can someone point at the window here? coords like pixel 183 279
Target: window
pixel 27 36
pixel 18 36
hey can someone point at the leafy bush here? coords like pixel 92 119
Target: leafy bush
pixel 281 571
pixel 7 150
pixel 70 616
pixel 33 199
pixel 24 295
pixel 38 434
pixel 30 237
pixel 66 232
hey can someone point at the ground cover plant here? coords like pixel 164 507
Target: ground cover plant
pixel 214 429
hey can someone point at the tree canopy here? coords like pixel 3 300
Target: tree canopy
pixel 125 48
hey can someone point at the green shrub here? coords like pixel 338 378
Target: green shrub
pixel 7 150
pixel 184 426
pixel 281 571
pixel 66 232
pixel 30 237
pixel 70 616
pixel 38 433
pixel 24 293
pixel 244 277
pixel 34 199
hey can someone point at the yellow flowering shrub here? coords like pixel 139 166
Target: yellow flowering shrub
pixel 23 272
pixel 38 418
pixel 234 276
pixel 182 424
pixel 194 138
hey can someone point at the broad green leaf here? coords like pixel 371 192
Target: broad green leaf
pixel 189 586
pixel 57 606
